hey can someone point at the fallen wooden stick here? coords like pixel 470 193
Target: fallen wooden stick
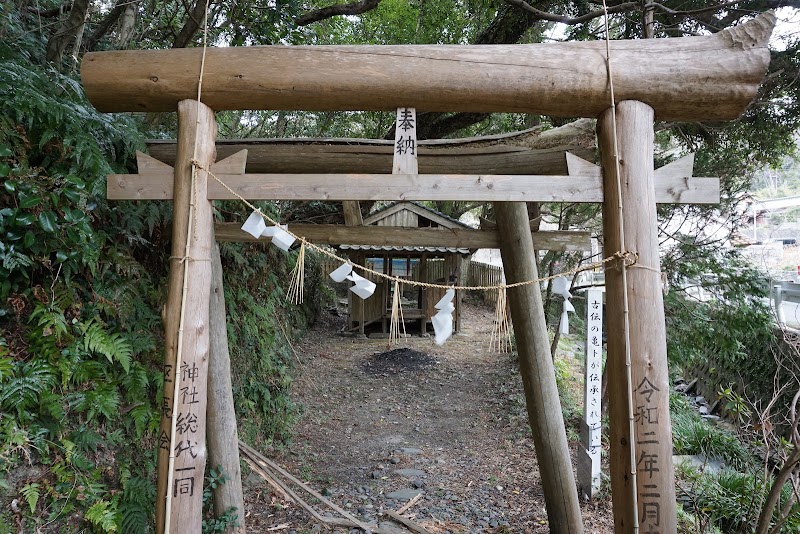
pixel 267 465
pixel 409 504
pixel 266 476
pixel 281 486
pixel 406 522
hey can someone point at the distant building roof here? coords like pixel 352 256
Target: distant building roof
pixel 418 208
pixel 451 250
pixel 440 219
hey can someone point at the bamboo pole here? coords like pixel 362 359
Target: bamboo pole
pixel 182 460
pixel 223 437
pixel 642 404
pixel 536 367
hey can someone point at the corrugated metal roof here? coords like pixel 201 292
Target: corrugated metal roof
pixel 389 248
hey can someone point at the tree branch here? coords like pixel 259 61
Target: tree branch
pixel 355 8
pixel 107 23
pixel 48 13
pixel 634 6
pixel 563 19
pixel 68 31
pixel 193 23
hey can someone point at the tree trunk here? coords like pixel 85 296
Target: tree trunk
pixel 223 437
pixel 536 367
pixel 68 32
pixel 194 21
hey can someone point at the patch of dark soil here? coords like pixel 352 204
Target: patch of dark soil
pixel 397 361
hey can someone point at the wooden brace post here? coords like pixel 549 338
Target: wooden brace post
pixel 536 368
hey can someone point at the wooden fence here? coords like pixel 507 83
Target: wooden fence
pixel 483 274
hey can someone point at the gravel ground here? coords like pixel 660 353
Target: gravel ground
pixel 382 424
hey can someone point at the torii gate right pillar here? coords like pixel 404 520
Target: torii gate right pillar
pixel 640 429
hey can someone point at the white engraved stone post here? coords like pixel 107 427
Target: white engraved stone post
pixel 589 453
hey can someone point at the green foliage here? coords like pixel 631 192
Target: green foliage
pixel 691 434
pixel 729 500
pixel 67 367
pixel 215 478
pixel 102 515
pixel 113 346
pixel 260 333
pixel 137 506
pixel 31 493
pixel 733 329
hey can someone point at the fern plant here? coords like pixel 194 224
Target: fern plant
pixel 136 507
pixel 103 515
pixel 113 346
pixel 31 494
pixel 22 391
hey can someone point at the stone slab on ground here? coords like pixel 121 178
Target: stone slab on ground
pixel 410 473
pixel 701 462
pixel 403 494
pixel 392 527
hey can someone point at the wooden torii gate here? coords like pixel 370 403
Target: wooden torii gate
pixel 691 78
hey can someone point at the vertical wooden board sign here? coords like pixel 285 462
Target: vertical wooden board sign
pixel 589 454
pixel 182 457
pixel 405 142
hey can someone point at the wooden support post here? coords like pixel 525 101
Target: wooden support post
pixel 536 367
pixel 196 134
pixel 422 293
pixel 461 280
pixel 352 213
pixel 649 385
pixel 223 437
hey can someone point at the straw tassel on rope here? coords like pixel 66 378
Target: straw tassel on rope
pixel 295 293
pixel 501 331
pixel 397 321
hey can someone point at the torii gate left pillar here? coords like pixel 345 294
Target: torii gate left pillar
pixel 187 337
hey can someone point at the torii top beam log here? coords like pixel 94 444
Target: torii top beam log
pixel 687 78
pixel 524 152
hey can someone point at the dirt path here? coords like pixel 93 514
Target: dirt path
pixel 448 422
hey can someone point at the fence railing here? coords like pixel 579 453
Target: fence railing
pixel 483 274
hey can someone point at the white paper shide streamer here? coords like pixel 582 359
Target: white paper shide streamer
pixel 280 237
pixel 340 273
pixel 560 286
pixel 443 320
pixel 361 287
pixel 256 227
